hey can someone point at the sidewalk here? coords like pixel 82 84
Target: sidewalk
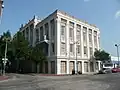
pixel 86 74
pixel 4 78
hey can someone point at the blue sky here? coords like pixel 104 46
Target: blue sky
pixel 104 13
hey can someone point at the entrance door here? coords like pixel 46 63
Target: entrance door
pixel 71 66
pixel 63 67
pixel 86 66
pixel 46 67
pixel 91 67
pixel 79 66
pixel 53 67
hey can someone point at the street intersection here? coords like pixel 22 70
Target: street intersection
pixel 76 82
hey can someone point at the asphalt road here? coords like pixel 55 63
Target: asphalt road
pixel 82 82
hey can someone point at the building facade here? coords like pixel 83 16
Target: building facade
pixel 69 43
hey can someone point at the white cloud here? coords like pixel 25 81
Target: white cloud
pixel 86 0
pixel 117 15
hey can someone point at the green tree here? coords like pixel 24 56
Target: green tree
pixel 101 55
pixel 20 48
pixel 38 56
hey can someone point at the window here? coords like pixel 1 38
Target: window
pixel 95 33
pixel 85 50
pixel 37 35
pixel 78 49
pixel 24 33
pixel 62 30
pixel 71 30
pixel 95 38
pixel 78 27
pixel 78 33
pixel 85 35
pixel 62 33
pixel 90 36
pixel 31 33
pixel 47 31
pixel 91 51
pixel 52 23
pixel 27 33
pixel 71 47
pixel 62 48
pixel 90 31
pixel 41 33
pixel 53 47
pixel 99 40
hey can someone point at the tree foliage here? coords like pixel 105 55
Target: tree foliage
pixel 20 46
pixel 101 55
pixel 19 50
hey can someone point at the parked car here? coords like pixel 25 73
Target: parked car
pixel 116 70
pixel 105 71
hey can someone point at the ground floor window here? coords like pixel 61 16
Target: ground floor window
pixel 79 66
pixel 52 67
pixel 63 67
pixel 71 66
pixel 97 66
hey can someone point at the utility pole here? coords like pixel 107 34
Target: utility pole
pixel 5 59
pixel 1 9
pixel 117 52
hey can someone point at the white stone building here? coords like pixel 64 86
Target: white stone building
pixel 69 42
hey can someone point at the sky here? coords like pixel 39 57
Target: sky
pixel 105 14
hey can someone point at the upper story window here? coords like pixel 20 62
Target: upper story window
pixel 71 48
pixel 78 32
pixel 99 40
pixel 53 48
pixel 90 36
pixel 23 33
pixel 37 35
pixel 85 50
pixel 41 33
pixel 95 38
pixel 91 51
pixel 85 35
pixel 27 33
pixel 52 24
pixel 71 30
pixel 31 33
pixel 78 49
pixel 63 29
pixel 63 48
pixel 47 31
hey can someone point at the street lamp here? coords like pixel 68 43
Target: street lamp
pixel 76 57
pixel 117 52
pixel 5 57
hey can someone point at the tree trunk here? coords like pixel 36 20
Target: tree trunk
pixel 18 63
pixel 32 67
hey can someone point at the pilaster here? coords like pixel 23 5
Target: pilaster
pixel 82 66
pixel 57 36
pixel 82 44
